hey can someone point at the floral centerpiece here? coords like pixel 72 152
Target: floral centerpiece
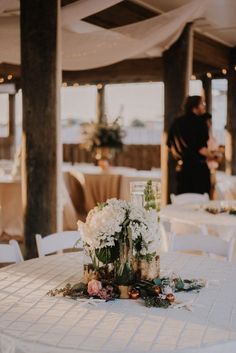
pixel 122 238
pixel 123 242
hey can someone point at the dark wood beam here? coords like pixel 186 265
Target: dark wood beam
pixel 207 87
pixel 40 150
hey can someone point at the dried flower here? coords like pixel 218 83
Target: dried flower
pixel 94 286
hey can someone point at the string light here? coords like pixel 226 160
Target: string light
pixel 9 77
pixel 64 84
pixel 224 71
pixel 235 68
pixel 76 84
pixel 209 75
pixel 99 86
pixel 193 77
pixel 1 79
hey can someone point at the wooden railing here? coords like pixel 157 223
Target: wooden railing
pixel 142 157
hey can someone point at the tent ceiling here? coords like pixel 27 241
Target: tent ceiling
pixel 218 23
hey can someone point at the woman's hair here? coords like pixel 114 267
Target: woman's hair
pixel 191 102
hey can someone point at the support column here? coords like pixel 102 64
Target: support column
pixel 12 123
pixel 177 65
pixel 207 88
pixel 230 147
pixel 41 77
pixel 100 103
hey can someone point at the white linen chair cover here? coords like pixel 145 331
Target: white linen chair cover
pixel 10 253
pixel 188 198
pixel 208 244
pixel 57 242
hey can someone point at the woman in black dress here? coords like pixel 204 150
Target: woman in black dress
pixel 187 140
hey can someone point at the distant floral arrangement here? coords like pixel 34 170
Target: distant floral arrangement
pixel 103 134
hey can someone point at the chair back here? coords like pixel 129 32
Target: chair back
pixel 207 244
pixel 10 253
pixel 57 242
pixel 188 198
pixel 186 227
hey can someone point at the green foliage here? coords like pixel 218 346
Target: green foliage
pixel 108 255
pixel 149 196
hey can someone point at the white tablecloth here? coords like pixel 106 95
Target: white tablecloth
pixel 30 321
pixel 223 224
pixel 225 186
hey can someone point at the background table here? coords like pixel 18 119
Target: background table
pixel 30 321
pixel 222 224
pixel 88 184
pixel 11 213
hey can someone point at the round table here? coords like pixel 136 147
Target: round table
pixel 223 224
pixel 31 321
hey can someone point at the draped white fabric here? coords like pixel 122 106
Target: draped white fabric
pixel 81 51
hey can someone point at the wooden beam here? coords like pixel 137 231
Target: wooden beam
pixel 230 148
pixel 177 62
pixel 101 104
pixel 40 83
pixel 207 88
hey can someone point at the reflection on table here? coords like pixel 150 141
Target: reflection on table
pixel 30 321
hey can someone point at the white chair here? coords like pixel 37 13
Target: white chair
pixel 57 242
pixel 207 244
pixel 188 198
pixel 10 253
pixel 186 227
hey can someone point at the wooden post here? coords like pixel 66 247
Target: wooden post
pixel 100 103
pixel 12 122
pixel 41 144
pixel 207 88
pixel 177 65
pixel 230 146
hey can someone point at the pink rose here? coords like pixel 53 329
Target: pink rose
pixel 94 286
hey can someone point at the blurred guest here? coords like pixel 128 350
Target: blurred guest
pixel 187 141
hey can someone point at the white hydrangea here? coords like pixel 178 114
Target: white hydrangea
pixel 103 225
